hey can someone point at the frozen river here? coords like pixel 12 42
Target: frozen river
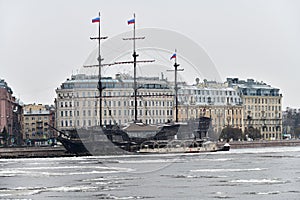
pixel 264 173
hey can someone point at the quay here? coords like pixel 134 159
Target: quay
pixel 33 152
pixel 59 151
pixel 261 143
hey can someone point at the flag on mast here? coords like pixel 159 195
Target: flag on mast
pixel 95 20
pixel 173 56
pixel 132 21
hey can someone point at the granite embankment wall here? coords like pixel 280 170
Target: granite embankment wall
pixel 261 143
pixel 32 152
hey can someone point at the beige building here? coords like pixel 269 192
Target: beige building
pixel 36 130
pixel 211 99
pixel 262 107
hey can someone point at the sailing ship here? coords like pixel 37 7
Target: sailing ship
pixel 114 139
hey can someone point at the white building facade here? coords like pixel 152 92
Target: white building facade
pixel 77 101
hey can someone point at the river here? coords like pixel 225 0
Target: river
pixel 262 173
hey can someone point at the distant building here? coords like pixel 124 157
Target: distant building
pixel 77 101
pixel 10 117
pixel 36 131
pixel 262 106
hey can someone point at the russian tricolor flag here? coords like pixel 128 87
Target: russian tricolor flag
pixel 132 21
pixel 95 20
pixel 173 56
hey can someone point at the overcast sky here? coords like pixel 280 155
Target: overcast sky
pixel 43 42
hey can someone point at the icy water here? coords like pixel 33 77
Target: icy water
pixel 265 173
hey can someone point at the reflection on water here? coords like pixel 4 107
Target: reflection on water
pixel 266 173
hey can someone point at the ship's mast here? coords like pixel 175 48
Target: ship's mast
pixel 135 55
pixel 176 65
pixel 99 86
pixel 99 75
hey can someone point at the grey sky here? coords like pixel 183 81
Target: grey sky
pixel 42 42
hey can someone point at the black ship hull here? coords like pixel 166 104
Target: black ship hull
pixel 109 140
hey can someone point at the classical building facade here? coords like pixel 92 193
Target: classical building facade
pixel 211 99
pixel 235 103
pixel 10 116
pixel 36 121
pixel 262 106
pixel 77 102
